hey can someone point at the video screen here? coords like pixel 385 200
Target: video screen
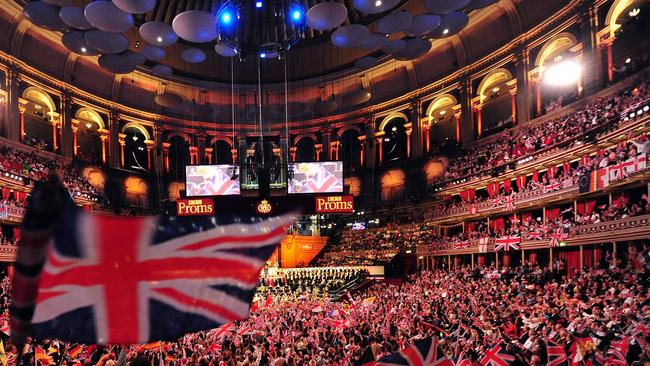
pixel 359 226
pixel 317 177
pixel 210 180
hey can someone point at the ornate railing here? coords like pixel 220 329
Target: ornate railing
pixel 630 228
pixel 8 253
pixel 11 213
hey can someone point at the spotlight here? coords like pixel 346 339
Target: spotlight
pixel 563 73
pixel 84 49
pixel 646 108
pixel 445 31
pixel 226 16
pixel 135 138
pixel 159 39
pixel 297 14
pixel 258 4
pixel 378 3
pixel 628 60
pixel 262 55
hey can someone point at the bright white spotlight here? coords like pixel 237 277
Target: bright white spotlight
pixel 563 73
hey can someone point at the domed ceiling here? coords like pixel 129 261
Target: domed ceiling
pixel 192 38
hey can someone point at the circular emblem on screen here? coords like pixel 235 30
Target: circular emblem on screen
pixel 264 207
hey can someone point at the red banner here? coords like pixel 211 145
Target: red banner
pixel 195 207
pixel 335 204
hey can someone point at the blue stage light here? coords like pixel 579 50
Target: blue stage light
pixel 297 14
pixel 262 55
pixel 258 4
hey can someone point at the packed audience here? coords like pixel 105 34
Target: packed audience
pixel 524 309
pixel 319 281
pixel 600 115
pixel 374 246
pixel 36 167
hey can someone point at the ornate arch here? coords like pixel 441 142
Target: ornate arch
pixel 557 44
pixel 391 116
pixel 346 128
pixel 227 139
pixel 494 77
pixel 614 13
pixel 37 95
pixel 305 135
pixel 89 115
pixel 182 134
pixel 138 127
pixel 442 100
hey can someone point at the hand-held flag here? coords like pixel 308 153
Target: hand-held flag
pixel 127 280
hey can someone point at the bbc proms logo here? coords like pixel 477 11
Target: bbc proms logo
pixel 335 204
pixel 195 207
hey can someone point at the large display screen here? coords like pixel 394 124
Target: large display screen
pixel 210 180
pixel 317 177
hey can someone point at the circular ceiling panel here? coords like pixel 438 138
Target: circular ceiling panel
pixel 350 35
pixel 168 100
pixel 356 97
pixel 478 4
pixel 423 24
pixel 152 53
pixel 104 15
pixel 158 33
pixel 450 24
pixel 392 46
pixel 135 6
pixel 60 3
pixel 134 58
pixel 414 48
pixel 74 17
pixel 224 50
pixel 116 64
pixel 327 15
pixel 193 55
pixel 76 42
pixel 444 6
pixel 372 41
pixel 195 26
pixel 374 6
pixel 162 70
pixel 365 62
pixel 107 42
pixel 395 22
pixel 44 15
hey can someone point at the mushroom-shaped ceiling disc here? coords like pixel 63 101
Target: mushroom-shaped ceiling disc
pixel 327 15
pixel 104 15
pixel 195 26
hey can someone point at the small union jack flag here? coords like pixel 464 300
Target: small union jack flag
pixel 534 235
pixel 496 356
pixel 557 237
pixel 461 244
pixel 507 242
pixel 127 280
pixel 423 352
pixel 552 187
pixel 461 360
pixel 556 354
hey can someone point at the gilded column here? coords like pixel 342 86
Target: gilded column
pixel 14 121
pixel 466 123
pixel 69 133
pixel 114 146
pixel 523 96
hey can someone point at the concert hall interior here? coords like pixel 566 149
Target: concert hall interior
pixel 324 182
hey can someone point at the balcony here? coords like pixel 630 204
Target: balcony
pixel 630 228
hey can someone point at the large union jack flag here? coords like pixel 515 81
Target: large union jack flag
pixel 133 280
pixel 507 242
pixel 425 352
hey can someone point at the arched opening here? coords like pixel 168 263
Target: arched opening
pixel 350 149
pixel 442 130
pixel 392 185
pixel 135 149
pixel 221 153
pixel 496 102
pixel 179 156
pixel 305 150
pixel 556 51
pixel 89 143
pixel 37 124
pixel 629 28
pixel 394 140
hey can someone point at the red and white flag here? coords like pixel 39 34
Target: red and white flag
pixel 507 242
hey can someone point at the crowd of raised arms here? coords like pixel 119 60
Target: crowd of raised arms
pixel 590 314
pixel 600 115
pixel 36 167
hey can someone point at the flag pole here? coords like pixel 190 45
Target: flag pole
pixel 460 325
